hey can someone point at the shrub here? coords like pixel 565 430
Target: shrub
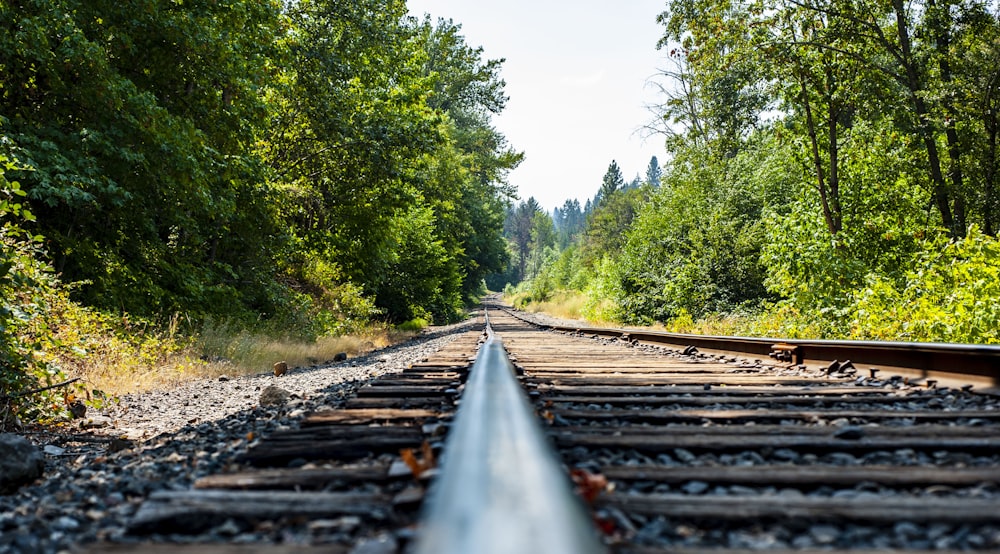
pixel 949 295
pixel 27 286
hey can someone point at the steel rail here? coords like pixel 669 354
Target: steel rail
pixel 921 359
pixel 502 489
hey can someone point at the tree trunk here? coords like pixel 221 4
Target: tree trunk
pixel 992 124
pixel 940 22
pixel 817 160
pixel 939 188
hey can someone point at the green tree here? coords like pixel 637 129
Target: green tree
pixel 471 209
pixel 569 222
pixel 695 247
pixel 26 287
pixel 654 173
pixel 611 183
pixel 138 120
pixel 519 225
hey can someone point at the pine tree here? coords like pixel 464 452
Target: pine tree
pixel 613 181
pixel 654 173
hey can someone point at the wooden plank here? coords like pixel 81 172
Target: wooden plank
pixel 719 399
pixel 366 415
pixel 614 369
pixel 604 390
pixel 928 431
pixel 312 478
pixel 430 373
pixel 346 432
pixel 408 381
pixel 195 510
pixel 441 366
pixel 697 416
pixel 633 549
pixel 869 509
pixel 675 379
pixel 804 442
pixel 407 391
pixel 280 454
pixel 398 402
pixel 808 476
pixel 174 548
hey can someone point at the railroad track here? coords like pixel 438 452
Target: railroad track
pixel 669 449
pixel 712 451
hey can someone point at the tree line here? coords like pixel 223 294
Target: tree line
pixel 221 156
pixel 830 170
pixel 312 164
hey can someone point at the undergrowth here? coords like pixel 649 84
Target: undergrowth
pixel 949 294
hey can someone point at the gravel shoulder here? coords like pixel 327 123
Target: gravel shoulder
pixel 95 479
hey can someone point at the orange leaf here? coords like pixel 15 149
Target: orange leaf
pixel 418 467
pixel 588 485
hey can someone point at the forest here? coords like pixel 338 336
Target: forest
pixel 299 169
pixel 178 177
pixel 830 171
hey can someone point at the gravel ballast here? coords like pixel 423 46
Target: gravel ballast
pixel 95 479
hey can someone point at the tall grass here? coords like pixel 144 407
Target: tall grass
pixel 116 355
pixel 250 352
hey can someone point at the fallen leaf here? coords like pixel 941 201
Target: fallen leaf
pixel 588 485
pixel 418 466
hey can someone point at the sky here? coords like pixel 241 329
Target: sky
pixel 577 75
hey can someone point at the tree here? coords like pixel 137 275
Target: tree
pixel 139 124
pixel 612 182
pixel 608 224
pixel 470 197
pixel 654 173
pixel 569 222
pixel 518 227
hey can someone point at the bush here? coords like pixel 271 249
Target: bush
pixel 949 295
pixel 27 287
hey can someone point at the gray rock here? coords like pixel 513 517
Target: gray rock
pixel 95 422
pixel 824 534
pixel 850 432
pixel 67 523
pixel 695 487
pixel 274 396
pixel 20 462
pixel 382 544
pixel 785 455
pixel 684 455
pixel 906 530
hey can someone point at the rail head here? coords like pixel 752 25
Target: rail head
pixel 502 488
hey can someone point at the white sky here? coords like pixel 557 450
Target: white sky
pixel 576 74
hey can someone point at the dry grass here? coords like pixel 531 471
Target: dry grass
pixel 562 304
pixel 116 362
pixel 249 353
pixel 571 304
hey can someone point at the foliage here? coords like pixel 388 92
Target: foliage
pixel 137 120
pixel 825 161
pixel 610 184
pixel 694 248
pixel 299 169
pixel 26 289
pixel 948 295
pixel 884 214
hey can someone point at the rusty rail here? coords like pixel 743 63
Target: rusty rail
pixel 928 360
